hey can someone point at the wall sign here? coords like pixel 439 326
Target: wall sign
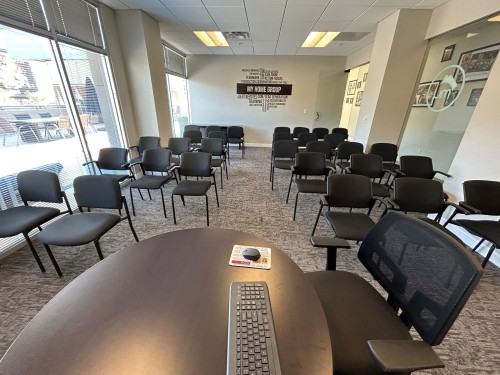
pixel 263 88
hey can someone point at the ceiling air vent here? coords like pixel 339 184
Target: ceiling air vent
pixel 236 35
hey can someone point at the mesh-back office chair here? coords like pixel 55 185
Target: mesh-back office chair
pixel 235 135
pixel 85 227
pixel 283 156
pixel 427 275
pixel 308 164
pixel 344 151
pixel 154 160
pixel 195 164
pixel 282 129
pixel 299 130
pixel 320 132
pixel 371 166
pixel 112 162
pixel 144 143
pixel 481 197
pixel 33 186
pixel 215 147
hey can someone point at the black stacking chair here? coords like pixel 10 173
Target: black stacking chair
pixel 283 156
pixel 420 195
pixel 417 166
pixel 195 164
pixel 144 143
pixel 304 138
pixel 320 132
pixel 154 160
pixel 221 135
pixel 282 136
pixel 212 128
pixel 481 197
pixel 428 278
pixel 194 136
pixel 79 229
pixel 299 130
pixel 308 164
pixel 33 186
pixel 370 165
pixel 178 146
pixel 235 135
pixel 215 147
pixel 282 129
pixel 191 127
pixel 348 191
pixel 388 152
pixel 334 140
pixel 342 131
pixel 112 162
pixel 344 151
pixel 323 147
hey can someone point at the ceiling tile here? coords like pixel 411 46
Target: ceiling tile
pixel 265 14
pixel 376 14
pixel 173 26
pixel 182 35
pixel 342 12
pixel 430 4
pixel 308 2
pixel 264 3
pixel 221 50
pixel 361 26
pixel 201 26
pixel 115 4
pixel 233 26
pixel 194 14
pixel 331 26
pixel 242 50
pixel 181 3
pixel 397 3
pixel 303 13
pixel 365 3
pixel 297 31
pixel 209 3
pixel 264 31
pixel 221 14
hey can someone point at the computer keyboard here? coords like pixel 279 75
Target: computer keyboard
pixel 251 348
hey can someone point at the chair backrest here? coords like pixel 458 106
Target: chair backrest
pixel 214 146
pixel 320 132
pixel 39 186
pixel 178 145
pixel 320 146
pixel 388 151
pixel 428 273
pixel 147 142
pixel 156 159
pixel 282 129
pixel 191 127
pixel 285 148
pixel 299 130
pixel 310 164
pixel 96 191
pixel 218 134
pixel 369 165
pixel 334 139
pixel 303 138
pixel 196 164
pixel 416 166
pixel 417 194
pixel 113 158
pixel 212 128
pixel 349 190
pixel 483 195
pixel 193 135
pixel 346 149
pixel 282 136
pixel 342 131
pixel 235 132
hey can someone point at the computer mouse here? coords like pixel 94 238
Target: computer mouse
pixel 251 253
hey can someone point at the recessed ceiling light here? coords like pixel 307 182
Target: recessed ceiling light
pixel 212 38
pixel 319 39
pixel 494 19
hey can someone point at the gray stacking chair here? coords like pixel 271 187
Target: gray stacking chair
pixel 235 135
pixel 282 156
pixel 33 186
pixel 144 143
pixel 212 128
pixel 370 165
pixel 344 151
pixel 178 146
pixel 194 136
pixel 304 138
pixel 215 147
pixel 191 127
pixel 195 164
pixel 112 162
pixel 85 227
pixel 154 160
pixel 222 135
pixel 282 129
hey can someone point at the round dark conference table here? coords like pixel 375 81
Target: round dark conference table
pixel 161 306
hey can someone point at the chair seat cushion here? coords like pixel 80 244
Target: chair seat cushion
pixel 192 187
pixel 355 313
pixel 78 229
pixel 117 177
pixel 235 140
pixel 20 219
pixel 283 163
pixel 380 190
pixel 349 225
pixel 311 186
pixel 150 182
pixel 487 229
pixel 216 163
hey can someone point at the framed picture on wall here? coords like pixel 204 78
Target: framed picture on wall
pixel 477 63
pixel 475 94
pixel 426 93
pixel 351 87
pixel 365 76
pixel 358 98
pixel 359 84
pixel 447 53
pixel 450 98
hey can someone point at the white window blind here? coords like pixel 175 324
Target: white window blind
pixel 175 63
pixel 27 12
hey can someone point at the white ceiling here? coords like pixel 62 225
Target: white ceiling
pixel 276 27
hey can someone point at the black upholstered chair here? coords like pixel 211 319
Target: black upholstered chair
pixel 154 160
pixel 235 135
pixel 370 165
pixel 92 191
pixel 215 147
pixel 194 136
pixel 417 166
pixel 144 143
pixel 282 129
pixel 299 130
pixel 323 147
pixel 178 146
pixel 320 132
pixel 212 128
pixel 304 138
pixel 344 151
pixel 334 139
pixel 33 186
pixel 282 156
pixel 191 127
pixel 481 197
pixel 342 131
pixel 348 191
pixel 308 164
pixel 112 162
pixel 427 275
pixel 282 136
pixel 388 152
pixel 195 164
pixel 221 135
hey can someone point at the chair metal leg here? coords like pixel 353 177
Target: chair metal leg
pixel 331 258
pixel 289 187
pixel 52 259
pixel 487 257
pixel 272 177
pixel 127 212
pixel 33 251
pixel 132 201
pixel 478 244
pixel 225 164
pixel 173 208
pixel 221 173
pixel 206 204
pixel 98 247
pixel 163 201
pixel 295 208
pixel 317 219
pixel 216 194
pixel 149 193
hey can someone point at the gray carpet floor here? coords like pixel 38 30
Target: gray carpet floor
pixel 248 204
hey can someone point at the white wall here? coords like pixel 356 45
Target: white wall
pixel 213 99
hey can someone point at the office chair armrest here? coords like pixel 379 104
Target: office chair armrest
pixel 458 208
pixel 91 162
pixel 469 208
pixel 292 168
pixel 131 147
pixel 338 243
pixel 126 165
pixel 443 173
pixel 347 170
pixel 403 355
pixel 130 165
pixel 324 199
pixel 384 202
pixel 389 203
pixel 398 172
